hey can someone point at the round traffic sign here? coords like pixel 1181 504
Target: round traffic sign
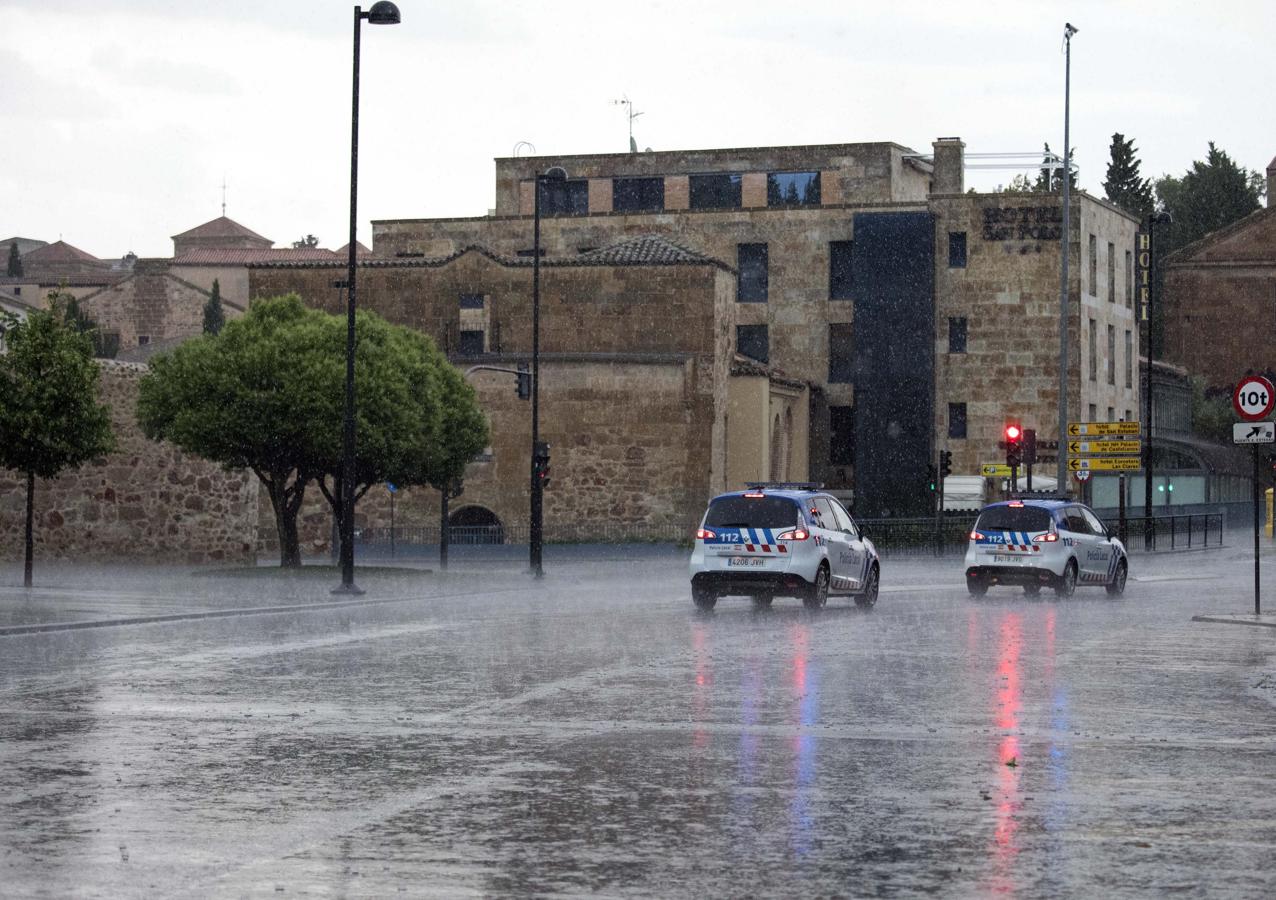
pixel 1081 474
pixel 1254 398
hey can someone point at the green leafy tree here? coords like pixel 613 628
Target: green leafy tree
pixel 50 419
pixel 214 318
pixel 105 346
pixel 306 242
pixel 15 261
pixel 1123 184
pixel 267 394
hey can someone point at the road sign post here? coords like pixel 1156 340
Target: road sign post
pixel 1254 398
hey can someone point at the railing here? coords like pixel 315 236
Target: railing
pixel 459 535
pixel 918 537
pixel 1173 532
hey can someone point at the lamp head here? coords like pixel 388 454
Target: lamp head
pixel 555 173
pixel 1069 29
pixel 383 12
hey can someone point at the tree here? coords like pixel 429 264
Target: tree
pixel 50 419
pixel 104 346
pixel 267 394
pixel 1123 185
pixel 1050 179
pixel 214 318
pixel 15 261
pixel 1210 195
pixel 306 242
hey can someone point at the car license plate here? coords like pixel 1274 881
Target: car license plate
pixel 1005 557
pixel 746 561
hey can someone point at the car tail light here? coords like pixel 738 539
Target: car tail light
pixel 1016 504
pixel 1047 538
pixel 703 534
pixel 797 534
pixel 975 535
pixel 755 496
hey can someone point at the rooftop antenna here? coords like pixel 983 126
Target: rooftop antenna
pixel 524 145
pixel 629 112
pixel 223 195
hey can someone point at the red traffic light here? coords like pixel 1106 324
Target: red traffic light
pixel 1013 432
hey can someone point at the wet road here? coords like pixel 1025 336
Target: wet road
pixel 592 735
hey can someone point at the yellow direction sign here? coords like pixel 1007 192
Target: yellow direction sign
pixel 1100 429
pixel 994 470
pixel 1104 463
pixel 1104 447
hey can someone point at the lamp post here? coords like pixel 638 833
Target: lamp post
pixel 554 175
pixel 1149 529
pixel 382 12
pixel 1061 477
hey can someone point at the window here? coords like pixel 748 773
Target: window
pixel 143 340
pixel 565 198
pixel 1129 358
pixel 470 344
pixel 760 512
pixel 842 435
pixel 956 334
pixel 793 189
pixel 956 249
pixel 751 259
pixel 1094 413
pixel 1111 414
pixel 17 290
pixel 1094 351
pixel 841 282
pixel 751 340
pixel 471 301
pixel 637 194
pixel 1111 354
pixel 841 354
pixel 844 522
pixel 956 420
pixel 720 190
pixel 1129 415
pixel 1111 272
pixel 1094 266
pixel 1129 278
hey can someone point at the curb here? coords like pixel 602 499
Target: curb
pixel 1260 621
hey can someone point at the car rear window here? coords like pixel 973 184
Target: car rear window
pixel 752 512
pixel 1014 518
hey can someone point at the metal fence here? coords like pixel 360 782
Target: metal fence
pixel 902 537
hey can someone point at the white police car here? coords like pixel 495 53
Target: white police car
pixel 782 539
pixel 1043 542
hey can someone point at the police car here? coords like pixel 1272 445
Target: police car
pixel 1043 542
pixel 782 539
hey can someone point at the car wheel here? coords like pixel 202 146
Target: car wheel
pixel 818 594
pixel 763 600
pixel 1067 585
pixel 868 599
pixel 703 599
pixel 977 586
pixel 1117 586
pixel 1032 590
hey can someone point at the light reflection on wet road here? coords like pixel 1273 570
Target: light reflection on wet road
pixel 593 735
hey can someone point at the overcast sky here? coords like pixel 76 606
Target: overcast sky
pixel 122 117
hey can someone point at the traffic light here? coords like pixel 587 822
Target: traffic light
pixel 1014 445
pixel 945 463
pixel 1029 446
pixel 524 387
pixel 930 478
pixel 540 463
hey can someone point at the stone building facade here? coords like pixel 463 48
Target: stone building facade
pixel 1220 299
pixel 146 501
pixel 926 317
pixel 636 379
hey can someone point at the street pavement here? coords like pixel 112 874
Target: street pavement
pixel 477 733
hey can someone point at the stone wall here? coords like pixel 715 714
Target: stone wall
pixel 147 501
pixel 152 304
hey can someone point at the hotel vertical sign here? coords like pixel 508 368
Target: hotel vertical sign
pixel 1143 271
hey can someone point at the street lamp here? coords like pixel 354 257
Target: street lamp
pixel 1149 530
pixel 555 175
pixel 1061 475
pixel 382 12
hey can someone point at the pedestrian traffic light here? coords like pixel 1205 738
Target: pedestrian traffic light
pixel 930 478
pixel 540 463
pixel 1029 446
pixel 524 387
pixel 945 463
pixel 1014 445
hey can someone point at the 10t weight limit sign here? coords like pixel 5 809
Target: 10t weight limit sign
pixel 1255 398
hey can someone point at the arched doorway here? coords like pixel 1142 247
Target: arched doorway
pixel 475 525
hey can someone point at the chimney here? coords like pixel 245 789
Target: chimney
pixel 1271 182
pixel 949 176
